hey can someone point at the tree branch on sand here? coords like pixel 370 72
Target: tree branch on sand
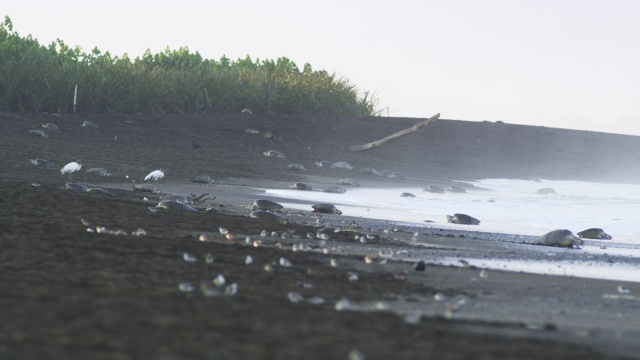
pixel 201 198
pixel 377 143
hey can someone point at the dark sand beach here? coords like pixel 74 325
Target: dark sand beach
pixel 73 293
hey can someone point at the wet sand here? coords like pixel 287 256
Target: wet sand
pixel 70 293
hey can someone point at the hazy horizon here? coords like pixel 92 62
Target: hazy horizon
pixel 569 64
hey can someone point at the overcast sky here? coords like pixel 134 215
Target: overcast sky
pixel 562 63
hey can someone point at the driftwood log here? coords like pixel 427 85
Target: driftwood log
pixel 200 199
pixel 377 143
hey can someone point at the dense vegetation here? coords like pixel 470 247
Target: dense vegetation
pixel 37 78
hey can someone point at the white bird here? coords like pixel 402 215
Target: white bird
pixel 71 168
pixel 155 175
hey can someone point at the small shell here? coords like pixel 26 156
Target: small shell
pixel 186 287
pixel 139 232
pixel 219 280
pixel 188 257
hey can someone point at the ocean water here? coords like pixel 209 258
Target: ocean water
pixel 502 205
pixel 511 207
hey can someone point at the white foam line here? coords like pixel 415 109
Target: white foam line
pixel 508 206
pixel 619 272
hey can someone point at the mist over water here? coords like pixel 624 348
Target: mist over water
pixel 512 207
pixel 502 205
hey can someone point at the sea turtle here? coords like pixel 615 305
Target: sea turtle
pixel 343 165
pixel 326 209
pixel 546 191
pixel 175 205
pixel 100 191
pixel 335 190
pixel 324 163
pixel 274 154
pixel 272 135
pixel 368 171
pixel 434 189
pixel 348 181
pixel 594 233
pixel 462 219
pixel 76 187
pixel 51 126
pixel 262 204
pixel 146 188
pixel 99 171
pixel 89 124
pixel 561 238
pixel 266 216
pixel 300 186
pixel 397 175
pixel 296 167
pixel 84 187
pixel 41 162
pixel 37 133
pixel 457 188
pixel 202 179
pixel 407 194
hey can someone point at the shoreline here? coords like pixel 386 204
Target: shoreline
pixel 484 248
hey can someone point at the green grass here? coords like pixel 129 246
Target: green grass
pixel 38 78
